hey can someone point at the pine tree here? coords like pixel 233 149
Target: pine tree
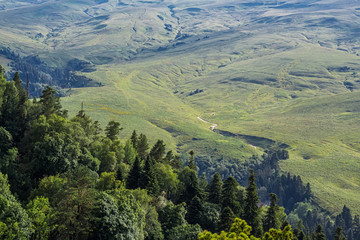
pixel 318 234
pixel 339 234
pixel 134 139
pixel 148 178
pixel 271 220
pixel 301 236
pixel 195 211
pixel 356 227
pixel 142 146
pixel 307 193
pixel 112 130
pixel 251 210
pixel 192 161
pixel 228 195
pixel 21 91
pixel 346 215
pixel 169 157
pixel 339 221
pixel 17 80
pixel 226 219
pixel 176 162
pixel 133 180
pixel 51 103
pixel 299 231
pixel 215 188
pixel 158 151
pixel 190 185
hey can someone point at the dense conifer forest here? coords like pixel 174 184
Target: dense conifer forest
pixel 70 179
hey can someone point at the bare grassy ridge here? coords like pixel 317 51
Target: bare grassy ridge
pixel 284 70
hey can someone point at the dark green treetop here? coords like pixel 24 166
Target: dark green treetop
pixel 251 209
pixel 112 130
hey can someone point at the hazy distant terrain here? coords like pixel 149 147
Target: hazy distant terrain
pixel 283 70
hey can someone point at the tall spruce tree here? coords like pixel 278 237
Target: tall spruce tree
pixel 346 215
pixel 50 103
pixel 226 219
pixel 112 130
pixel 190 185
pixel 215 188
pixel 228 195
pixel 356 227
pixel 299 231
pixel 339 221
pixel 192 161
pixel 21 91
pixel 251 210
pixel 134 139
pixel 339 234
pixel 169 157
pixel 148 178
pixel 142 146
pixel 158 151
pixel 271 220
pixel 318 234
pixel 133 180
pixel 195 211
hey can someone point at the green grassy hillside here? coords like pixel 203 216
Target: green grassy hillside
pixel 284 70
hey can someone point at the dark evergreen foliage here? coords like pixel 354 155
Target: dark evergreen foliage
pixel 195 211
pixel 271 220
pixel 133 180
pixel 215 189
pixel 318 234
pixel 339 234
pixel 228 195
pixel 134 139
pixel 148 179
pixel 142 146
pixel 191 163
pixel 346 215
pixel 190 184
pixel 50 103
pixel 158 151
pixel 226 219
pixel 251 209
pixel 112 130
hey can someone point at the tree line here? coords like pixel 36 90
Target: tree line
pixel 67 178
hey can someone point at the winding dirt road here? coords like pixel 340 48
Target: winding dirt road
pixel 213 125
